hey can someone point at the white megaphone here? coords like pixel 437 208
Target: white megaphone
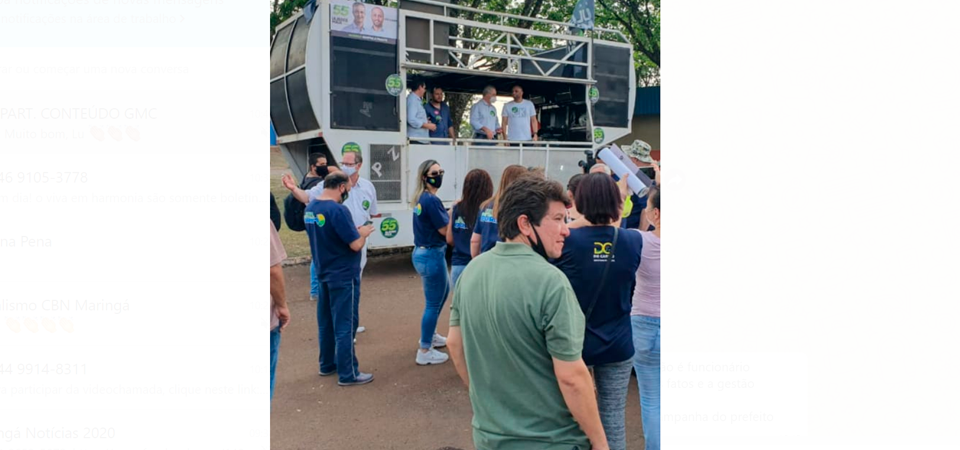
pixel 617 166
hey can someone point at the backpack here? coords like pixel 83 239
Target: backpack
pixel 293 209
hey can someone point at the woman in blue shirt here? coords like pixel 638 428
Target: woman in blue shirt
pixel 430 221
pixel 477 187
pixel 486 232
pixel 600 260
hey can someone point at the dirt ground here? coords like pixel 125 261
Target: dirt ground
pixel 406 406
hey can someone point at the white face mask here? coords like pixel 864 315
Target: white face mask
pixel 349 171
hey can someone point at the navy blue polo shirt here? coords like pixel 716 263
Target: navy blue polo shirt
pixel 429 216
pixel 330 228
pixel 608 337
pixel 439 117
pixel 487 227
pixel 462 232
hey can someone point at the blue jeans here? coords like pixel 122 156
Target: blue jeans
pixel 274 355
pixel 314 282
pixel 337 327
pixel 431 264
pixel 455 272
pixel 612 382
pixel 646 340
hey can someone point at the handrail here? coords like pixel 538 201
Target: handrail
pixel 515 16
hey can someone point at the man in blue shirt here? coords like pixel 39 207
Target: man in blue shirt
pixel 335 244
pixel 417 123
pixel 483 117
pixel 439 114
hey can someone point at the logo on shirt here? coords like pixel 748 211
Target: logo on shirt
pixel 460 224
pixel 487 216
pixel 514 109
pixel 366 205
pixel 394 84
pixel 321 220
pixel 389 227
pixel 417 210
pixel 602 251
pixel 601 248
pixel 308 217
pixel 493 113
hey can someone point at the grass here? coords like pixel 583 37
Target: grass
pixel 295 242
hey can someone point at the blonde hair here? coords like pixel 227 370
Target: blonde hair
pixel 510 174
pixel 421 183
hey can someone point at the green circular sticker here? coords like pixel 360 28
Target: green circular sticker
pixel 350 147
pixel 394 85
pixel 321 220
pixel 389 227
pixel 594 94
pixel 598 135
pixel 366 205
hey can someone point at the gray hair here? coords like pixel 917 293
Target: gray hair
pixel 489 90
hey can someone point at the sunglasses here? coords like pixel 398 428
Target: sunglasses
pixel 436 174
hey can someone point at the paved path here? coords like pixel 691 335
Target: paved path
pixel 407 406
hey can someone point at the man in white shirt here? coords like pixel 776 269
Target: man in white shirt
pixel 520 117
pixel 376 16
pixel 361 201
pixel 483 117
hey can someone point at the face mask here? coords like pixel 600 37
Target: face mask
pixel 349 171
pixel 435 181
pixel 322 171
pixel 538 246
pixel 344 196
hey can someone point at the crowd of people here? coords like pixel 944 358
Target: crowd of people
pixel 555 294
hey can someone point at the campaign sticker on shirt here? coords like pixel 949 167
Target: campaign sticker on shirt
pixel 417 210
pixel 308 217
pixel 594 94
pixel 366 205
pixel 350 147
pixel 598 135
pixel 493 113
pixel 389 227
pixel 515 109
pixel 321 220
pixel 394 85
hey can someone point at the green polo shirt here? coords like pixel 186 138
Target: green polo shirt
pixel 516 312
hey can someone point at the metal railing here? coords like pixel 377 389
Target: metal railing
pixel 562 26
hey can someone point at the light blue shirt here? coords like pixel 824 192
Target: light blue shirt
pixel 416 117
pixel 483 115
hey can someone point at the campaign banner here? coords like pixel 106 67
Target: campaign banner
pixel 363 21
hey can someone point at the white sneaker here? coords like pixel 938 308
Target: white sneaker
pixel 361 329
pixel 431 356
pixel 438 341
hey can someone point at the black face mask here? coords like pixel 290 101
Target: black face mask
pixel 538 246
pixel 322 171
pixel 435 181
pixel 343 196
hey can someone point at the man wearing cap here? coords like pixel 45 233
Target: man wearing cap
pixel 639 153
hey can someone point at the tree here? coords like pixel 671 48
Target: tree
pixel 640 21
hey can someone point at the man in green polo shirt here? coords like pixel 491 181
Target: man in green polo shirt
pixel 516 333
